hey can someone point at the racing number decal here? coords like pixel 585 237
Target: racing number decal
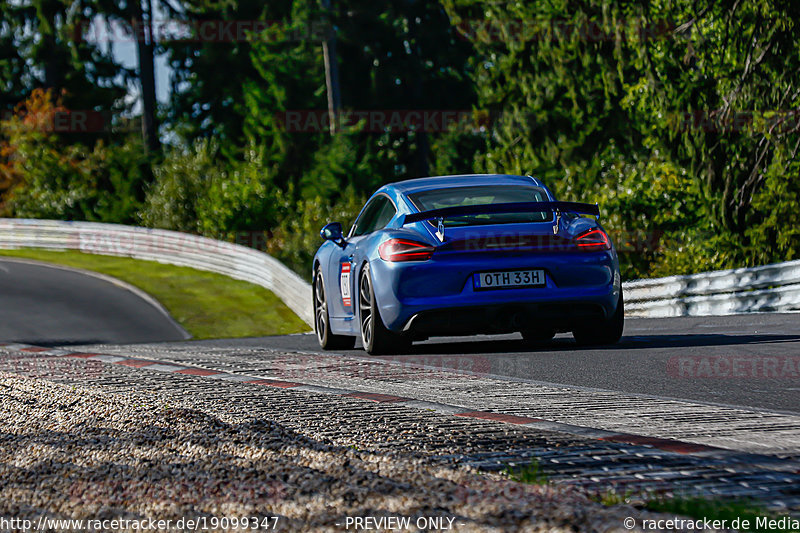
pixel 344 284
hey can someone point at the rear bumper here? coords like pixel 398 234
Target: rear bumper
pixel 505 318
pixel 425 299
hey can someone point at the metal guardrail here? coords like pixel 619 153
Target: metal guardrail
pixel 766 288
pixel 723 292
pixel 163 246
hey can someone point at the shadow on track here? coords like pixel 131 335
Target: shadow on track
pixel 634 342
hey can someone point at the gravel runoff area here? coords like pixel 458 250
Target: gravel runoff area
pixel 82 452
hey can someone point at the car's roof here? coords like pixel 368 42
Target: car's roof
pixel 462 180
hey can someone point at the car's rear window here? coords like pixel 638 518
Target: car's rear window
pixel 482 195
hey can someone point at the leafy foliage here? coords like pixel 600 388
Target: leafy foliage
pixel 181 181
pixel 297 238
pixel 673 117
pixel 197 193
pixel 42 46
pixel 47 179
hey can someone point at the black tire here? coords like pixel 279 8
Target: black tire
pixel 606 332
pixel 322 322
pixel 535 336
pixel 376 339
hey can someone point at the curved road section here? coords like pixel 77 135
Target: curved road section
pixel 49 305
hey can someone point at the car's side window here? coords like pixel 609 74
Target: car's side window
pixel 384 216
pixel 376 215
pixel 367 216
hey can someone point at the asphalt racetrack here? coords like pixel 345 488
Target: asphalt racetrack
pixel 743 360
pixel 50 306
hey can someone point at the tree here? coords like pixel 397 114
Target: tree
pixel 47 178
pixel 49 52
pixel 729 83
pixel 211 68
pixel 637 104
pixel 401 56
pixel 145 46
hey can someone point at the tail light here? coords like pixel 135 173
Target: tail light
pixel 593 240
pixel 405 250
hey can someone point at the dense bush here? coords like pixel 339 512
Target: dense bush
pixel 681 122
pixel 181 182
pixel 198 192
pixel 46 178
pixel 296 238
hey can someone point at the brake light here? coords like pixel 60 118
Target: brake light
pixel 404 250
pixel 593 240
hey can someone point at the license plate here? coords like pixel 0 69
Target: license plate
pixel 509 279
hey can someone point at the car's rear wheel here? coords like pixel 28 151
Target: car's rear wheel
pixel 322 322
pixel 375 337
pixel 603 332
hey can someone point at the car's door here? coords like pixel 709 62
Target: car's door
pixel 341 272
pixel 375 215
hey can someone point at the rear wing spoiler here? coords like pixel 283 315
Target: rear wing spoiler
pixel 490 209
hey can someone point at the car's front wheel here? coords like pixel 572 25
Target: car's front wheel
pixel 375 337
pixel 604 332
pixel 322 323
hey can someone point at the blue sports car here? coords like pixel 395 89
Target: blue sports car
pixel 461 255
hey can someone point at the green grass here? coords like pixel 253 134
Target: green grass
pixel 700 508
pixel 207 305
pixel 745 511
pixel 612 497
pixel 530 473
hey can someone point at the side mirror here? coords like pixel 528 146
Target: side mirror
pixel 331 232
